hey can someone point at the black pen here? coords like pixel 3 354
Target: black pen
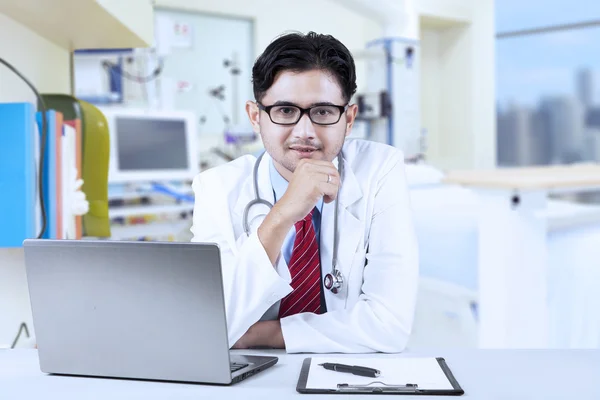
pixel 352 369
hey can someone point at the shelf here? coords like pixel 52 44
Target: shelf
pixel 551 179
pixel 149 209
pixel 152 229
pixel 86 24
pixel 142 193
pixel 444 14
pixel 434 22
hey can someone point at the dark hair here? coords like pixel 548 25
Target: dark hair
pixel 299 53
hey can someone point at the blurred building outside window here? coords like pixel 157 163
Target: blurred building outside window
pixel 548 83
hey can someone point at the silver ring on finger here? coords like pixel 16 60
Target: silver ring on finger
pixel 328 178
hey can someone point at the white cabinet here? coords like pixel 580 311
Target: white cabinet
pixel 86 24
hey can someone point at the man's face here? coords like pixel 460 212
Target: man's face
pixel 287 145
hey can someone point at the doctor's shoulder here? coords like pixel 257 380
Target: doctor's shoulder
pixel 369 158
pixel 225 177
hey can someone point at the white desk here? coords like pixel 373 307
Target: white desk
pixel 483 374
pixel 512 253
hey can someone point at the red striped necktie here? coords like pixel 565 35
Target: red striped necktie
pixel 305 269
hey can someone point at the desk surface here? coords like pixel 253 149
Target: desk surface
pixel 483 374
pixel 530 178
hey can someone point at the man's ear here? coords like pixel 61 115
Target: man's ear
pixel 350 117
pixel 254 115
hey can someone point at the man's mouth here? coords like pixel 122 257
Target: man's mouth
pixel 304 149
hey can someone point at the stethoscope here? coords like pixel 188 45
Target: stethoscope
pixel 333 281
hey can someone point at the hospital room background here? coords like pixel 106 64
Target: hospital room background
pixel 495 104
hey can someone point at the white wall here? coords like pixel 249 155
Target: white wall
pixel 458 85
pixel 45 64
pixel 47 67
pixel 272 18
pixel 430 94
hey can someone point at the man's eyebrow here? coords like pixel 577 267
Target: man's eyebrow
pixel 289 103
pixel 323 103
pixel 284 103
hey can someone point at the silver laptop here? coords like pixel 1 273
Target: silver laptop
pixel 139 310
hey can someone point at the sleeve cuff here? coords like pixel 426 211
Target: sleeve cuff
pixel 278 287
pixel 292 336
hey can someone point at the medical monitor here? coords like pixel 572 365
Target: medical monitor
pixel 151 145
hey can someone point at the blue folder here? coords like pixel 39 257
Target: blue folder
pixel 49 173
pixel 17 173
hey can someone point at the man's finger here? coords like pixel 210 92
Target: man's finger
pixel 313 165
pixel 315 162
pixel 321 169
pixel 329 191
pixel 328 177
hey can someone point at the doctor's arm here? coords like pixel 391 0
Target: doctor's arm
pixel 251 284
pixel 382 318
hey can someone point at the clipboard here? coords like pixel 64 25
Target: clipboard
pixel 350 384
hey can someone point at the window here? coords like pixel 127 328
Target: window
pixel 548 81
pixel 515 15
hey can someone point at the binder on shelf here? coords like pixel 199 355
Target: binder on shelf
pixel 17 173
pixel 76 125
pixel 72 116
pixel 58 168
pixel 49 174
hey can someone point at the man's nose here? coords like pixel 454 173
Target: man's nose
pixel 304 128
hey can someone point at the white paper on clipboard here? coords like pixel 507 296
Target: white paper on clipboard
pixel 424 372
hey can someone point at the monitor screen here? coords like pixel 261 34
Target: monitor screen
pixel 151 144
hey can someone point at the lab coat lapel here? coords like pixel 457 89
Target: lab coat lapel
pixel 348 235
pixel 257 213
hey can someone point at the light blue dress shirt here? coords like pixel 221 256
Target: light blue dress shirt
pixel 279 187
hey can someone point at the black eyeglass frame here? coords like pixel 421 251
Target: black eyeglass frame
pixel 303 111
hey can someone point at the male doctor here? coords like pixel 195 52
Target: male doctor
pixel 281 288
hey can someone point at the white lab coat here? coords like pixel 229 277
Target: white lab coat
pixel 377 253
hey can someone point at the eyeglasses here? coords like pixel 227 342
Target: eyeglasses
pixel 290 114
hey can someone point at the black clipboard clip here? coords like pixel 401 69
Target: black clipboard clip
pixel 382 388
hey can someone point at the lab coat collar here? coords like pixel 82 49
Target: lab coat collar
pixel 350 191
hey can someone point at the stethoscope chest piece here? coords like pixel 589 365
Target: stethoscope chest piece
pixel 333 282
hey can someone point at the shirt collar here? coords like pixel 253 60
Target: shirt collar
pixel 280 185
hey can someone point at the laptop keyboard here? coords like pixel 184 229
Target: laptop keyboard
pixel 237 366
